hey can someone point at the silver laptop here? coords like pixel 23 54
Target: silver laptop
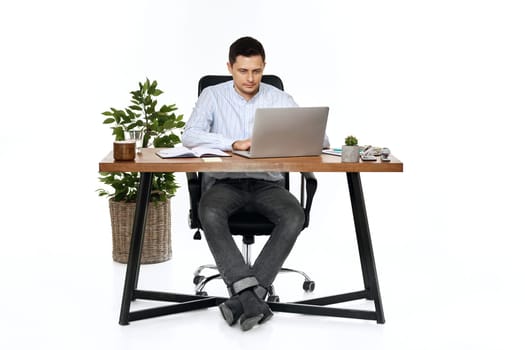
pixel 287 132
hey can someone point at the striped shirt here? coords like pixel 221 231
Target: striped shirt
pixel 221 116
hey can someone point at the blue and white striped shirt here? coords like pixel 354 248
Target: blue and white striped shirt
pixel 221 116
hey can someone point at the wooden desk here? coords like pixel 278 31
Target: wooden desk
pixel 148 163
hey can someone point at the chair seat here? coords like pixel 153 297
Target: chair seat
pixel 247 224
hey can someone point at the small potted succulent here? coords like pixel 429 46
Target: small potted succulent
pixel 350 150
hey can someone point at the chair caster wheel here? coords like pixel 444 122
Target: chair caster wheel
pixel 198 279
pixel 309 286
pixel 202 293
pixel 273 298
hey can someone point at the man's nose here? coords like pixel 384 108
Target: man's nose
pixel 250 76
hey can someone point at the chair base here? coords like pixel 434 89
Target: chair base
pixel 200 281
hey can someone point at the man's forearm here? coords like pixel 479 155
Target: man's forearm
pixel 193 138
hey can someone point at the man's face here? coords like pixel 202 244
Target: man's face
pixel 247 74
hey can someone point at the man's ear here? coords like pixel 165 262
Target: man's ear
pixel 230 68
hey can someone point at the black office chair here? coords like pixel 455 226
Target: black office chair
pixel 247 225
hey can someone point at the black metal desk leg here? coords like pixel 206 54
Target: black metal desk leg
pixel 135 248
pixel 364 242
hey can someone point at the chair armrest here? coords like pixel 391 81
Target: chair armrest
pixel 194 189
pixel 308 184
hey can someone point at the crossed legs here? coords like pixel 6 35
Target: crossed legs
pixel 244 282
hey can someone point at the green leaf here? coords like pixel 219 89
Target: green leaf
pixel 151 89
pixel 168 125
pixel 119 133
pixel 108 121
pixel 150 110
pixel 167 109
pixel 131 114
pixel 157 92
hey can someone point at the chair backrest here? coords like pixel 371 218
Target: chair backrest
pixel 209 80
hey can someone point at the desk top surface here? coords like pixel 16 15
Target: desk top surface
pixel 148 161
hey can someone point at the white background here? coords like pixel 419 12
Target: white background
pixel 442 83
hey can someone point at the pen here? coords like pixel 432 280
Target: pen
pixel 337 149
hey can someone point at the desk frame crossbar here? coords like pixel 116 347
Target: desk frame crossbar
pixel 316 306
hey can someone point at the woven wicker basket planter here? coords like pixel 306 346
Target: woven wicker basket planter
pixel 157 237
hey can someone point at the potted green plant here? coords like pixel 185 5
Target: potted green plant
pixel 350 150
pixel 159 127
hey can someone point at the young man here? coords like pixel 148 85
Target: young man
pixel 223 118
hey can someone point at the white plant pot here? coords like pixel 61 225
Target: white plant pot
pixel 350 154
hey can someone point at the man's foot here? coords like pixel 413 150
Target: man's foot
pixel 266 316
pixel 231 310
pixel 248 323
pixel 255 310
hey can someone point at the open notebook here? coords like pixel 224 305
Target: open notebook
pixel 196 152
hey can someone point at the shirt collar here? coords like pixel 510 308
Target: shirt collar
pixel 253 99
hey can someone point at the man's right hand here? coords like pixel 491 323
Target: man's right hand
pixel 242 145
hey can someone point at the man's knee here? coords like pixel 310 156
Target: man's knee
pixel 299 217
pixel 293 219
pixel 210 214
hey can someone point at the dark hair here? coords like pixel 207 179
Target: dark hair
pixel 246 46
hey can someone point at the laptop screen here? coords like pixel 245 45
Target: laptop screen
pixel 288 132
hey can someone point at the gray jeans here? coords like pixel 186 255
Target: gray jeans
pixel 270 199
